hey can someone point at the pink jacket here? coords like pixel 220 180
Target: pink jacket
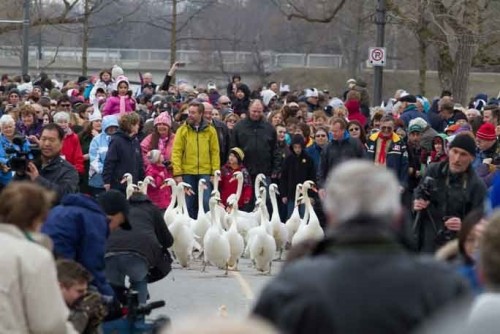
pixel 160 197
pixel 112 106
pixel 165 149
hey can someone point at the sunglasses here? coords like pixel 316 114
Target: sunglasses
pixel 231 121
pixel 64 105
pixel 226 103
pixel 386 128
pixel 320 136
pixel 353 129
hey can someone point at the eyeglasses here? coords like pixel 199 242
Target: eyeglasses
pixel 320 136
pixel 353 129
pixel 64 105
pixel 386 128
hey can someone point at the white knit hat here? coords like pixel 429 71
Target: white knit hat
pixel 116 71
pixel 96 115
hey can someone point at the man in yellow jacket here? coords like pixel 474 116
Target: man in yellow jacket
pixel 195 155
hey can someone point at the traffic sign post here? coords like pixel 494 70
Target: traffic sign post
pixel 376 56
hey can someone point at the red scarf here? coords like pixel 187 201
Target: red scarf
pixel 382 154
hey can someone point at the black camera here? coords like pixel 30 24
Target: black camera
pixel 21 156
pixel 427 189
pixel 443 236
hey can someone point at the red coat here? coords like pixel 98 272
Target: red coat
pixel 72 151
pixel 227 188
pixel 354 109
pixel 160 197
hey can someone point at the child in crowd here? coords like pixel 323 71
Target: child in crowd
pixel 160 196
pixel 121 101
pixel 297 168
pixel 438 153
pixel 228 187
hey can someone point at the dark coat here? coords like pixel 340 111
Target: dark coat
pixel 358 283
pixel 58 175
pixel 124 156
pixel 411 112
pixel 224 140
pixel 296 169
pixel 149 235
pixel 258 140
pixel 78 228
pixel 314 151
pixel 336 152
pixel 457 195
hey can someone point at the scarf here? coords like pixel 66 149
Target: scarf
pixel 382 153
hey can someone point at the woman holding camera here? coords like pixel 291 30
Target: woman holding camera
pixel 10 148
pixel 162 139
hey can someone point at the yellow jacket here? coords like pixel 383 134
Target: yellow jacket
pixel 195 152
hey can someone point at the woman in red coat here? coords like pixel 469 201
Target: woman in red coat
pixel 71 149
pixel 229 186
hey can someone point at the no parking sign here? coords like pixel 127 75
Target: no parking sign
pixel 376 56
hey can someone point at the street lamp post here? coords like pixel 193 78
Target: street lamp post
pixel 26 36
pixel 380 20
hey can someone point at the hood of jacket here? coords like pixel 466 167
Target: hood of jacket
pixel 137 198
pixel 83 201
pixel 108 121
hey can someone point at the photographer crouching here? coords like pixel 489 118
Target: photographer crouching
pixel 447 193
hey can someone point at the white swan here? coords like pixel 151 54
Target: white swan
pixel 252 217
pixel 279 231
pixel 181 230
pixel 311 229
pixel 262 246
pixel 293 223
pixel 143 185
pixel 202 223
pixel 170 212
pixel 127 177
pixel 236 242
pixel 217 249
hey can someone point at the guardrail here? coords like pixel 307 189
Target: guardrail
pixel 204 59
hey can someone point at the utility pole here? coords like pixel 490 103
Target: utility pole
pixel 380 21
pixel 26 36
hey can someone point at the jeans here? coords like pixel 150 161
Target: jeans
pixel 133 265
pixel 192 201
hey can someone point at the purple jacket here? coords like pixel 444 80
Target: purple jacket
pixel 34 130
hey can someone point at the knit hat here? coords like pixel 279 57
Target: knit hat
pixel 452 128
pixel 408 98
pixel 267 95
pixel 154 156
pixel 116 71
pixel 95 116
pixel 163 118
pixel 311 92
pixel 121 79
pixel 486 132
pixel 418 121
pixel 465 142
pixel 238 152
pixel 297 139
pixel 460 115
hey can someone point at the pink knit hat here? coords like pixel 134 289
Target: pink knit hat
pixel 163 118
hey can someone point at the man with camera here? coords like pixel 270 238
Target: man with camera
pixel 52 171
pixel 444 199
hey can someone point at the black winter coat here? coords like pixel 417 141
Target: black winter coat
pixel 124 156
pixel 358 283
pixel 258 140
pixel 58 175
pixel 224 140
pixel 149 235
pixel 456 196
pixel 338 151
pixel 296 169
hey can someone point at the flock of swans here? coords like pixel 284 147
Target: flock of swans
pixel 224 235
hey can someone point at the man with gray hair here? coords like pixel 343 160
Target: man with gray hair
pixel 359 279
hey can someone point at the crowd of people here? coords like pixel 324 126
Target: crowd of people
pixel 428 166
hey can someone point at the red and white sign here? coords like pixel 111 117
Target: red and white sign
pixel 376 56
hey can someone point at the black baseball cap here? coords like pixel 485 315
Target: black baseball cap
pixel 113 202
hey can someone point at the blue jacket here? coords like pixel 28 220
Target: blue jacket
pixel 5 144
pixel 411 112
pixel 98 150
pixel 79 229
pixel 314 152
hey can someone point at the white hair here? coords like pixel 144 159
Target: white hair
pixel 358 188
pixel 6 119
pixel 61 116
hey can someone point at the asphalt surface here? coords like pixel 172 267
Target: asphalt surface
pixel 191 292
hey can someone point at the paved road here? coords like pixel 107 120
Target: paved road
pixel 192 292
